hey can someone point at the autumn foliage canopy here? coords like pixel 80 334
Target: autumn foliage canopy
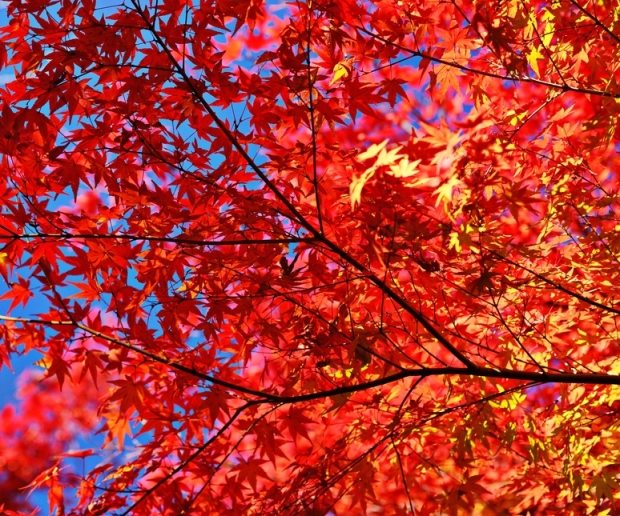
pixel 331 256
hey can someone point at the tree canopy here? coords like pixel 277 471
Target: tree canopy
pixel 332 256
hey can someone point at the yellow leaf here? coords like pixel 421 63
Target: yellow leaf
pixel 532 58
pixel 516 118
pixel 342 70
pixel 341 373
pixel 388 157
pixel 455 242
pixel 357 185
pixel 372 151
pixel 515 400
pixel 405 168
pixel 548 35
pixel 444 192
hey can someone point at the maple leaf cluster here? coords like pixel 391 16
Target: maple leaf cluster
pixel 338 256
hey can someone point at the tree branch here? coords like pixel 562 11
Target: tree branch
pixel 468 69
